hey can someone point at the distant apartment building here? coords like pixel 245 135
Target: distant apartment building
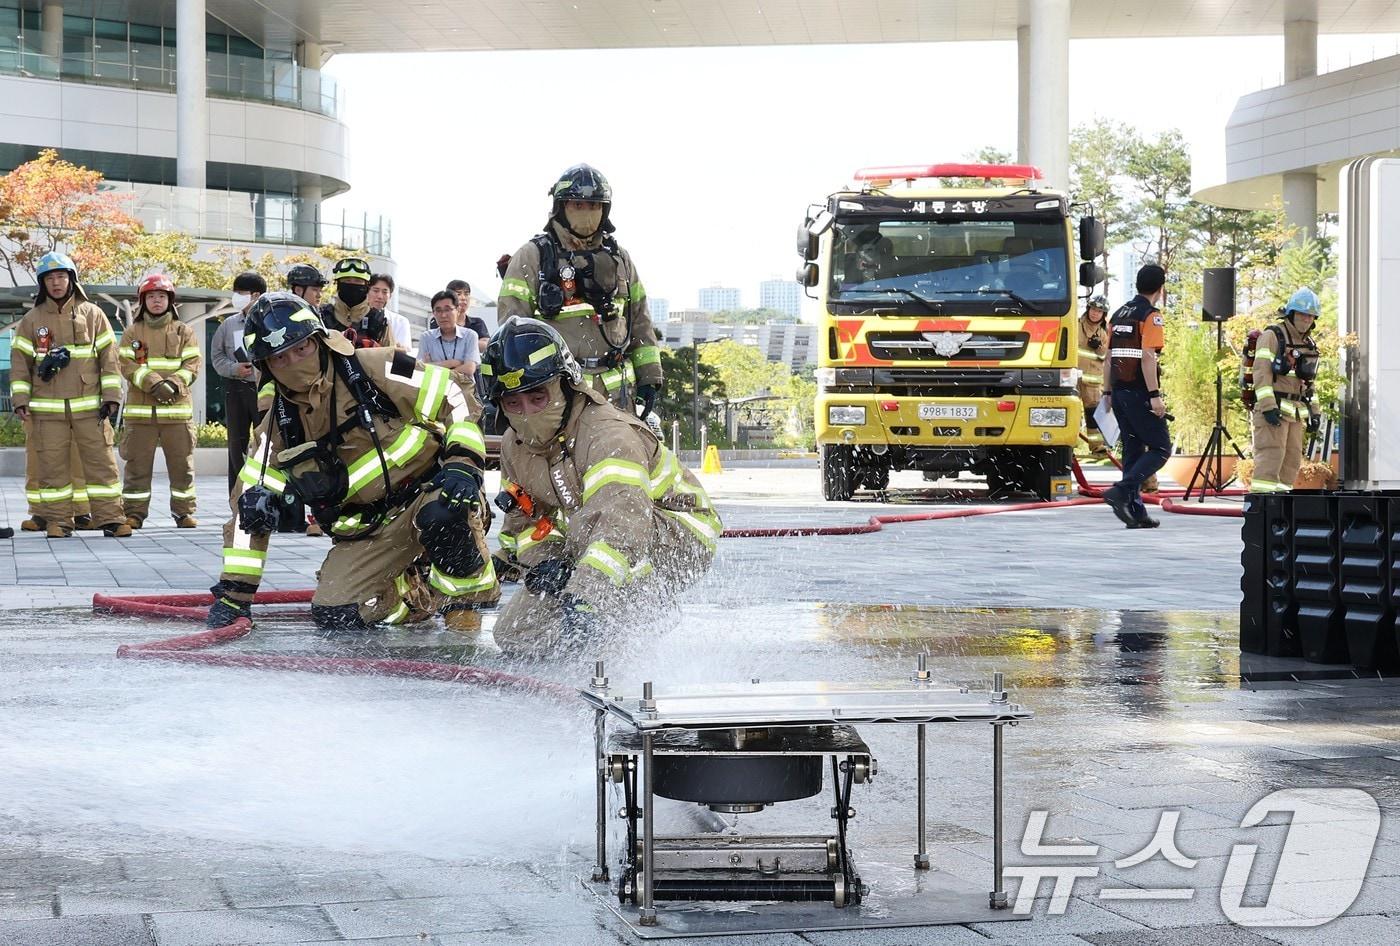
pixel 660 309
pixel 781 295
pixel 719 299
pixel 793 343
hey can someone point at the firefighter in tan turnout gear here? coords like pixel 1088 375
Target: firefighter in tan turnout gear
pixel 600 515
pixel 575 276
pixel 64 386
pixel 1093 346
pixel 1285 364
pixel 159 358
pixel 349 310
pixel 382 451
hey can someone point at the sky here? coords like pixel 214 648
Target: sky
pixel 714 154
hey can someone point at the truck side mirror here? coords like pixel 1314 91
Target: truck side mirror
pixel 807 275
pixel 806 242
pixel 1091 239
pixel 1091 274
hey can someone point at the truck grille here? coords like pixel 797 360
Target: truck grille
pixel 920 346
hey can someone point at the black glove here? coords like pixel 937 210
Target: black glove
pixel 460 483
pixel 1314 423
pixel 508 570
pixel 1272 416
pixel 549 577
pixel 648 395
pixel 1095 343
pixel 108 410
pixel 165 391
pixel 580 624
pixel 53 362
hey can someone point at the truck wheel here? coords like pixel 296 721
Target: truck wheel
pixel 1053 464
pixel 838 465
pixel 876 476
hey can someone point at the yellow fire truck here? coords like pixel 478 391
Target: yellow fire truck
pixel 947 336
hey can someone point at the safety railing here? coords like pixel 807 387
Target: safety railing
pixel 276 82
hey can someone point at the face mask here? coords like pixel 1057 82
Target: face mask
pixel 537 430
pixel 241 300
pixel 583 222
pixel 300 376
pixel 352 294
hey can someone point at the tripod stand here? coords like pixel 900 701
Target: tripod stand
pixel 1210 469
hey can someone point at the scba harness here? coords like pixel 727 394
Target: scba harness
pixel 316 474
pixel 1300 361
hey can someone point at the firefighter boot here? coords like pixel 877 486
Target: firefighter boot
pixel 462 619
pixel 1149 485
pixel 116 530
pixel 134 521
pixel 34 524
pixel 57 531
pixel 186 522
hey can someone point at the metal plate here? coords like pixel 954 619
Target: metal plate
pixel 726 706
pixel 825 740
pixel 947 412
pixel 930 899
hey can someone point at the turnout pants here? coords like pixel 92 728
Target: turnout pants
pixel 240 416
pixel 389 577
pixel 57 438
pixel 139 443
pixel 530 623
pixel 31 477
pixel 1278 453
pixel 1089 396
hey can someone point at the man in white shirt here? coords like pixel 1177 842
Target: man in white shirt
pixel 381 290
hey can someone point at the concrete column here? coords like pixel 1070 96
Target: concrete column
pixel 191 95
pixel 309 55
pixel 1300 187
pixel 1048 82
pixel 309 212
pixel 52 23
pixel 1300 202
pixel 1023 94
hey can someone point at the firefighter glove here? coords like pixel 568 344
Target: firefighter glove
pixel 109 410
pixel 648 395
pixel 580 624
pixel 460 483
pixel 549 577
pixel 53 362
pixel 165 391
pixel 1273 417
pixel 1314 423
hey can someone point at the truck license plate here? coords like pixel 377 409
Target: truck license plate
pixel 947 411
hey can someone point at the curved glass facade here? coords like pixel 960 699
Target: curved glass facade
pixel 134 55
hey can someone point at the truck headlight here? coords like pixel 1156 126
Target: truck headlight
pixel 851 416
pixel 1048 416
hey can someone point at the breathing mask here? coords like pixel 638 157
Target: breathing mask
pixel 351 293
pixel 538 429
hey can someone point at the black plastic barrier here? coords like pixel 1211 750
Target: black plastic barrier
pixel 1322 577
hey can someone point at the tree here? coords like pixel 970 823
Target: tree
pixel 1098 157
pixel 1161 171
pixel 49 204
pixel 983 155
pixel 750 317
pixel 678 368
pixel 171 253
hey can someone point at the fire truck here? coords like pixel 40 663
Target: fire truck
pixel 947 339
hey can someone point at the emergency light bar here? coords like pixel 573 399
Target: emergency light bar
pixel 917 172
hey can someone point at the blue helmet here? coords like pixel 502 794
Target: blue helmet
pixel 52 262
pixel 1304 301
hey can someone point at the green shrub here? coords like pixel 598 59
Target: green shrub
pixel 11 431
pixel 212 434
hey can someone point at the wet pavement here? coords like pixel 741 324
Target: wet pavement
pixel 150 803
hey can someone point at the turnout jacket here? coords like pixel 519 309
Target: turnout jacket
pixel 1091 359
pixel 595 491
pixel 1295 398
pixel 629 339
pixel 337 317
pixel 149 355
pixel 89 379
pixel 433 425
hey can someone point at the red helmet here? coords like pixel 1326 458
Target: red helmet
pixel 156 282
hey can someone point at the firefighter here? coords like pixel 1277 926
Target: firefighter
pixel 82 517
pixel 1285 365
pixel 1093 346
pixel 1131 379
pixel 382 451
pixel 350 312
pixel 159 358
pixel 64 385
pixel 575 276
pixel 601 517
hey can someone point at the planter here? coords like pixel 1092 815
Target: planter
pixel 1314 475
pixel 1180 467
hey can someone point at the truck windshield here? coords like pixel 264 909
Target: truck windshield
pixel 978 265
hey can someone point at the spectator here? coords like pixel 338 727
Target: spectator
pixel 462 290
pixel 381 290
pixel 230 361
pixel 452 346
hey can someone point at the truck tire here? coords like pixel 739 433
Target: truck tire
pixel 1052 464
pixel 875 472
pixel 838 466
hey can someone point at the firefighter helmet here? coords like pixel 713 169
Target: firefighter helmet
pixel 1099 302
pixel 156 282
pixel 525 354
pixel 582 182
pixel 304 275
pixel 281 320
pixel 52 262
pixel 351 267
pixel 1304 301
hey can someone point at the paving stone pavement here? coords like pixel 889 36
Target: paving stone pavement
pixel 157 805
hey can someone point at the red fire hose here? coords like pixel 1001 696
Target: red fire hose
pixel 1089 489
pixel 876 523
pixel 1191 509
